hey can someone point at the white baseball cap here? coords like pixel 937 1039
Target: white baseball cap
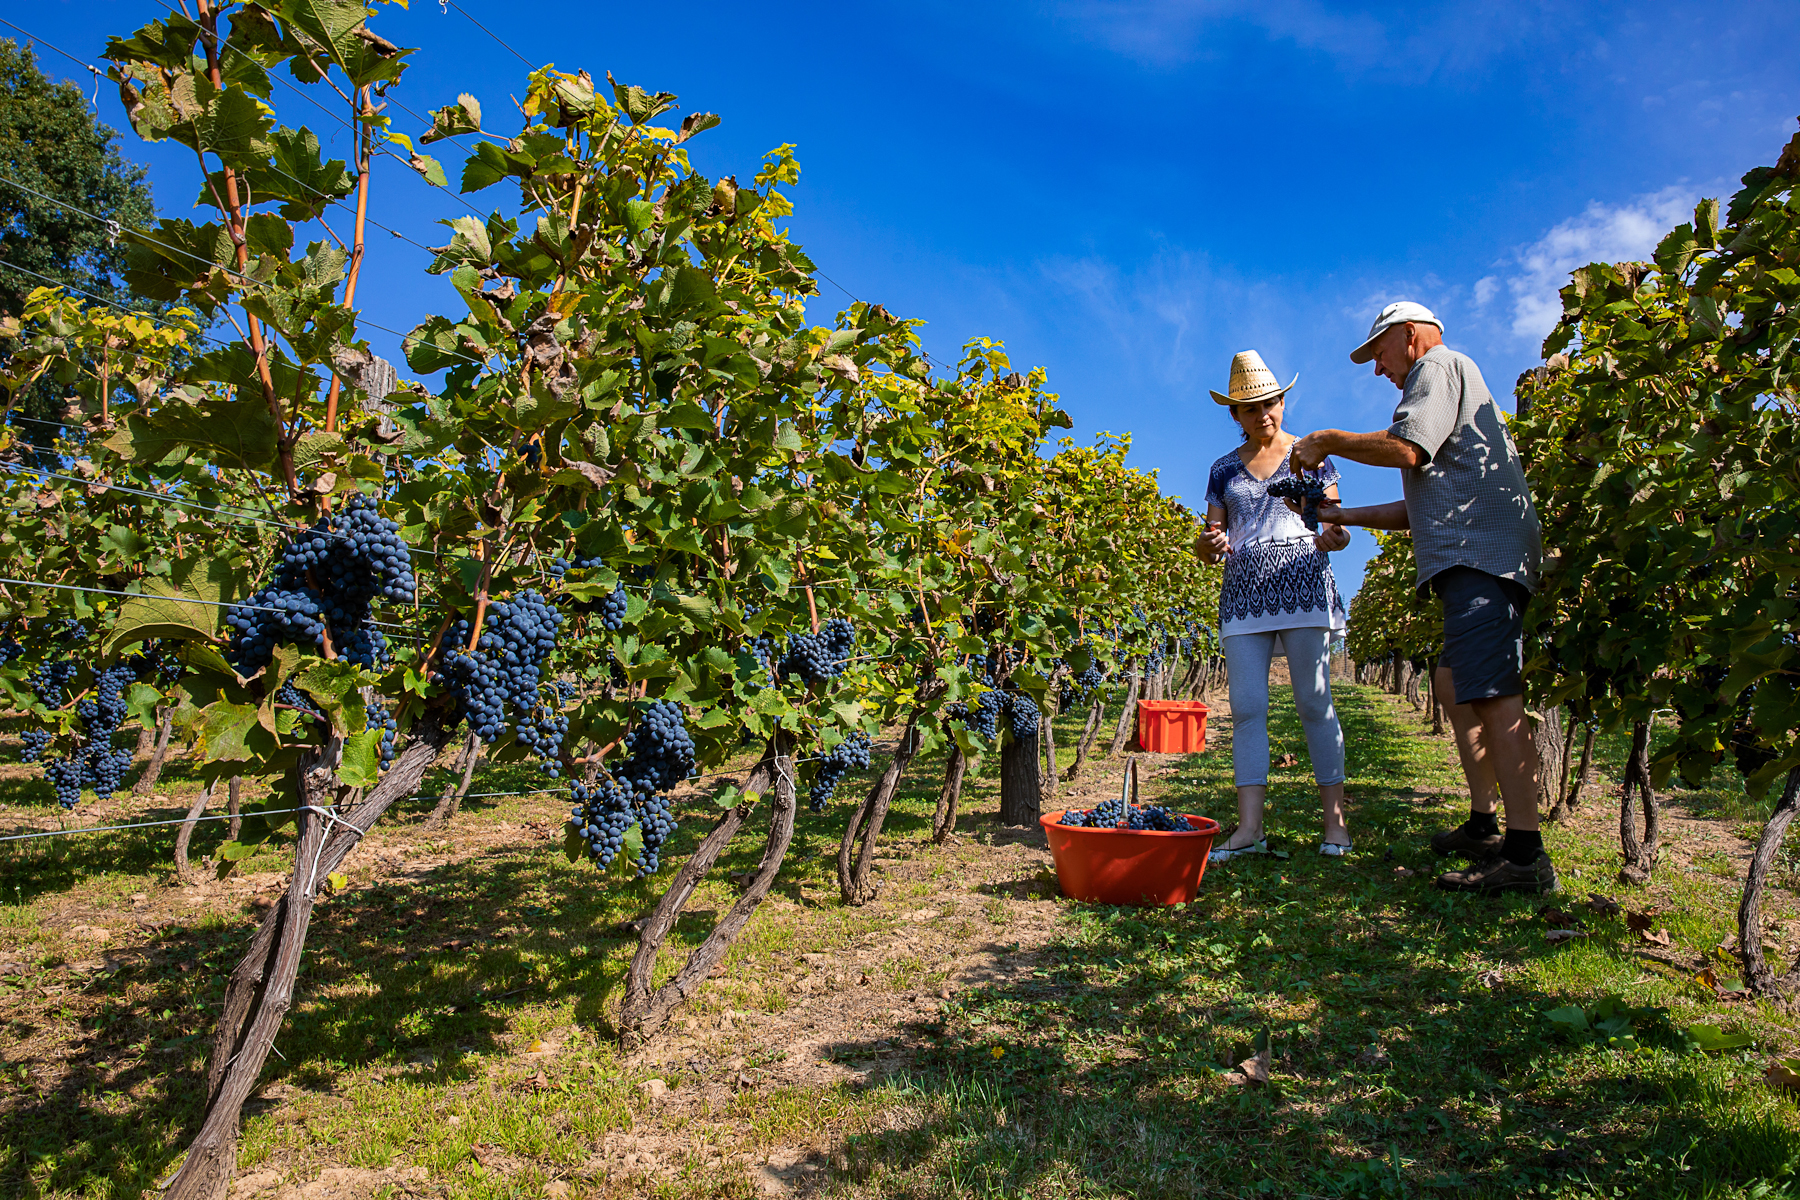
pixel 1398 313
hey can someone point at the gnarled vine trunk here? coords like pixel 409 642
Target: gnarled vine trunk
pixel 451 801
pixel 1096 714
pixel 1047 736
pixel 855 862
pixel 943 821
pixel 183 872
pixel 262 987
pixel 1639 852
pixel 1128 714
pixel 1021 786
pixel 1584 773
pixel 1548 740
pixel 153 771
pixel 1759 978
pixel 645 1009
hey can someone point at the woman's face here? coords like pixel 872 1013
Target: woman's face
pixel 1261 419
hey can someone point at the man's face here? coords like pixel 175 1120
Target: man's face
pixel 1394 355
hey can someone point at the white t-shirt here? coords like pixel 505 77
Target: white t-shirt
pixel 1275 577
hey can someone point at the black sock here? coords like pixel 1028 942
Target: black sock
pixel 1482 824
pixel 1522 847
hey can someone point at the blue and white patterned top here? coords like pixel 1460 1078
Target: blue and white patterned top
pixel 1275 578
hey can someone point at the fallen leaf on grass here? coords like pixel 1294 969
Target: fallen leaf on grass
pixel 1659 938
pixel 1286 760
pixel 1252 1072
pixel 1554 936
pixel 1641 921
pixel 1711 1038
pixel 1404 872
pixel 1556 918
pixel 493 1158
pixel 1784 1072
pixel 1490 979
pixel 1604 906
pixel 1729 945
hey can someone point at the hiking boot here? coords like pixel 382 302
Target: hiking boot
pixel 1497 874
pixel 1460 841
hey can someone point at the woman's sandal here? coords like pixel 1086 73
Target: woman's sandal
pixel 1259 846
pixel 1334 849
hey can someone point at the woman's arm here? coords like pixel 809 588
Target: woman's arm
pixel 1215 543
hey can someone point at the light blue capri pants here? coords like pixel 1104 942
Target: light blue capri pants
pixel 1247 657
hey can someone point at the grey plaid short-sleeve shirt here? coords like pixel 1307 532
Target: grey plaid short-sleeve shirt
pixel 1469 505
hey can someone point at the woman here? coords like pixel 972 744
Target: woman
pixel 1279 593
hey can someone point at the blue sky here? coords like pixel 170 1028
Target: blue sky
pixel 1127 193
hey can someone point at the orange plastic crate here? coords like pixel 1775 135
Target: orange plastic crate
pixel 1171 726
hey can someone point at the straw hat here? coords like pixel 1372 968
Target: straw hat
pixel 1251 380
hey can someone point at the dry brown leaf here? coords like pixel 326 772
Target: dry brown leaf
pixel 1490 979
pixel 1604 906
pixel 1404 872
pixel 1286 760
pixel 1782 1074
pixel 1707 979
pixel 1252 1072
pixel 1554 936
pixel 1640 921
pixel 1556 918
pixel 1659 938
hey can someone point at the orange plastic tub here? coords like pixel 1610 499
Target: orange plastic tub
pixel 1172 726
pixel 1130 866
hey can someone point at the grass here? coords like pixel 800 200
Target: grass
pixel 454 1017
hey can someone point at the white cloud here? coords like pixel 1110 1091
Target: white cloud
pixel 1485 288
pixel 1604 233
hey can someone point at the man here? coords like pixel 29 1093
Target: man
pixel 1476 536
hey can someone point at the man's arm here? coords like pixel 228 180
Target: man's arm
pixel 1374 516
pixel 1379 449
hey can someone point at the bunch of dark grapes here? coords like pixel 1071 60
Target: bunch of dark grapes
pixel 816 657
pixel 600 818
pixel 566 691
pixel 1308 489
pixel 496 684
pixel 329 577
pixel 983 717
pixel 1023 712
pixel 851 754
pixel 659 754
pixel 660 750
pixel 767 651
pixel 287 695
pixel 610 607
pixel 1115 814
pixel 9 650
pixel 95 763
pixel 380 718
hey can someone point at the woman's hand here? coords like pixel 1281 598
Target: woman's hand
pixel 1213 544
pixel 1330 537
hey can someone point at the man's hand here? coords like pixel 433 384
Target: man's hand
pixel 1330 537
pixel 1213 544
pixel 1313 449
